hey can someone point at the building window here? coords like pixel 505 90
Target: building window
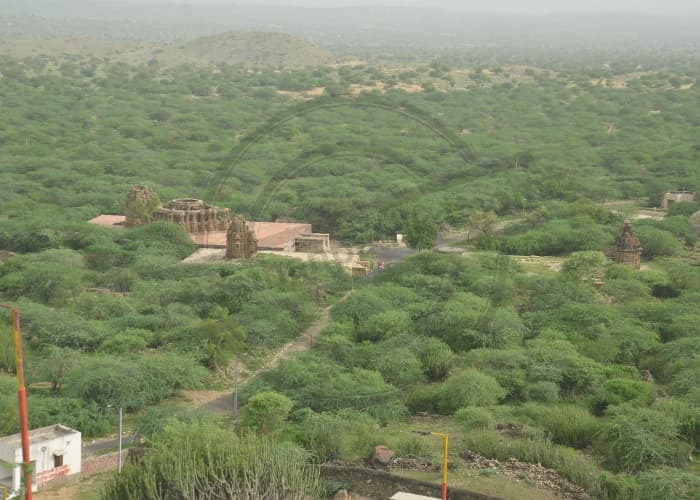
pixel 57 460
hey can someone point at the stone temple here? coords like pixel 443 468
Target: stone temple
pixel 143 206
pixel 195 215
pixel 141 202
pixel 627 249
pixel 241 242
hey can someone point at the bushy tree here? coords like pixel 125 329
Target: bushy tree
pixel 266 412
pixel 468 388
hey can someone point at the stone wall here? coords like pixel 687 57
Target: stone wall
pixel 380 485
pixel 102 463
pixel 313 243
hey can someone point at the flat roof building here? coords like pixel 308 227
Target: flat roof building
pixel 55 452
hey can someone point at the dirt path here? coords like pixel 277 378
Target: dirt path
pixel 222 401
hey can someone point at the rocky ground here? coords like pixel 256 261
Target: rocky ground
pixel 523 472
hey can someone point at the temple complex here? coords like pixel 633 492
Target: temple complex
pixel 627 249
pixel 211 227
pixel 241 242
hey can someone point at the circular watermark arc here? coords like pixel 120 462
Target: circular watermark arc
pixel 306 161
pixel 409 111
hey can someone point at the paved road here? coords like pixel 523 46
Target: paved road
pixel 101 445
pixel 391 254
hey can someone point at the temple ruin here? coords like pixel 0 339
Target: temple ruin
pixel 141 202
pixel 672 197
pixel 627 249
pixel 211 227
pixel 240 240
pixel 195 215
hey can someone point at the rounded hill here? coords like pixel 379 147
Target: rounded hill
pixel 250 48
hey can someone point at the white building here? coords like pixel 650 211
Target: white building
pixel 55 452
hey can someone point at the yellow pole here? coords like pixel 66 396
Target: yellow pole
pixel 4 493
pixel 445 439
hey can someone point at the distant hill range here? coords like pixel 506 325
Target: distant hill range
pixel 369 32
pixel 246 48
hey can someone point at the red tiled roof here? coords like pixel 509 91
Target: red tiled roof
pixel 277 235
pixel 270 235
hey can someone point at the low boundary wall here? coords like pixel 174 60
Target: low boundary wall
pixel 382 485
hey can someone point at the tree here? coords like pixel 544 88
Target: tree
pixel 469 388
pixel 483 222
pixel 218 339
pixel 421 229
pixel 266 412
pixel 50 277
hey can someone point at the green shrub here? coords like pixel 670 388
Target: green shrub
pixel 657 242
pixel 473 417
pixel 424 399
pixel 565 424
pixel 201 460
pixel 617 391
pixel 635 439
pixel 436 358
pixel 384 325
pixel 543 392
pixel 468 388
pixel 266 412
pixel 132 383
pixel 398 366
pixel 669 483
pixel 618 487
pixel 346 435
pixel 412 447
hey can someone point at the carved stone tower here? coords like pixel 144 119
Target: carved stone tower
pixel 141 202
pixel 240 240
pixel 628 249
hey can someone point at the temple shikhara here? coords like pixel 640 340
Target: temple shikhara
pixel 627 249
pixel 241 242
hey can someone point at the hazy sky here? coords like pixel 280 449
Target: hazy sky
pixel 514 6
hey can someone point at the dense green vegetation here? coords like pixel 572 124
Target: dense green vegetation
pixel 548 358
pixel 75 134
pixel 112 318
